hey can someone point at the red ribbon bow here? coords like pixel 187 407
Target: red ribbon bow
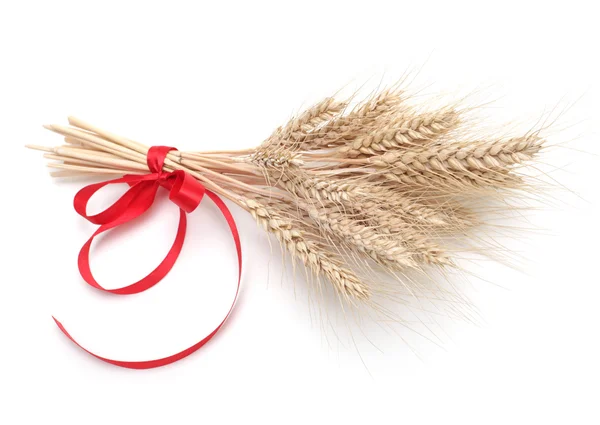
pixel 186 192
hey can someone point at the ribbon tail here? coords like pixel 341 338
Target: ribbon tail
pixel 146 364
pixel 149 364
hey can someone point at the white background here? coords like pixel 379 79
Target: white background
pixel 222 75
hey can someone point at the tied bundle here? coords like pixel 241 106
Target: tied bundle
pixel 354 193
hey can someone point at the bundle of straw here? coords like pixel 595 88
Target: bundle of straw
pixel 349 192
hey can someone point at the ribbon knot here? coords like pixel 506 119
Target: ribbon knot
pixel 184 191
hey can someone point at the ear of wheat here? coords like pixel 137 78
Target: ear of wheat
pixel 346 191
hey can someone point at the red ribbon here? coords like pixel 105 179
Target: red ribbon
pixel 186 192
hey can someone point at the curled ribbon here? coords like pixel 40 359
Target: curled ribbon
pixel 186 192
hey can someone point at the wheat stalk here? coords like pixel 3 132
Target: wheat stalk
pixel 404 130
pixel 313 255
pixel 460 156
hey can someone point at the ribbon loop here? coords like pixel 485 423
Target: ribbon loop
pixel 186 192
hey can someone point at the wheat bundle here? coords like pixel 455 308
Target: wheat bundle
pixel 349 192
